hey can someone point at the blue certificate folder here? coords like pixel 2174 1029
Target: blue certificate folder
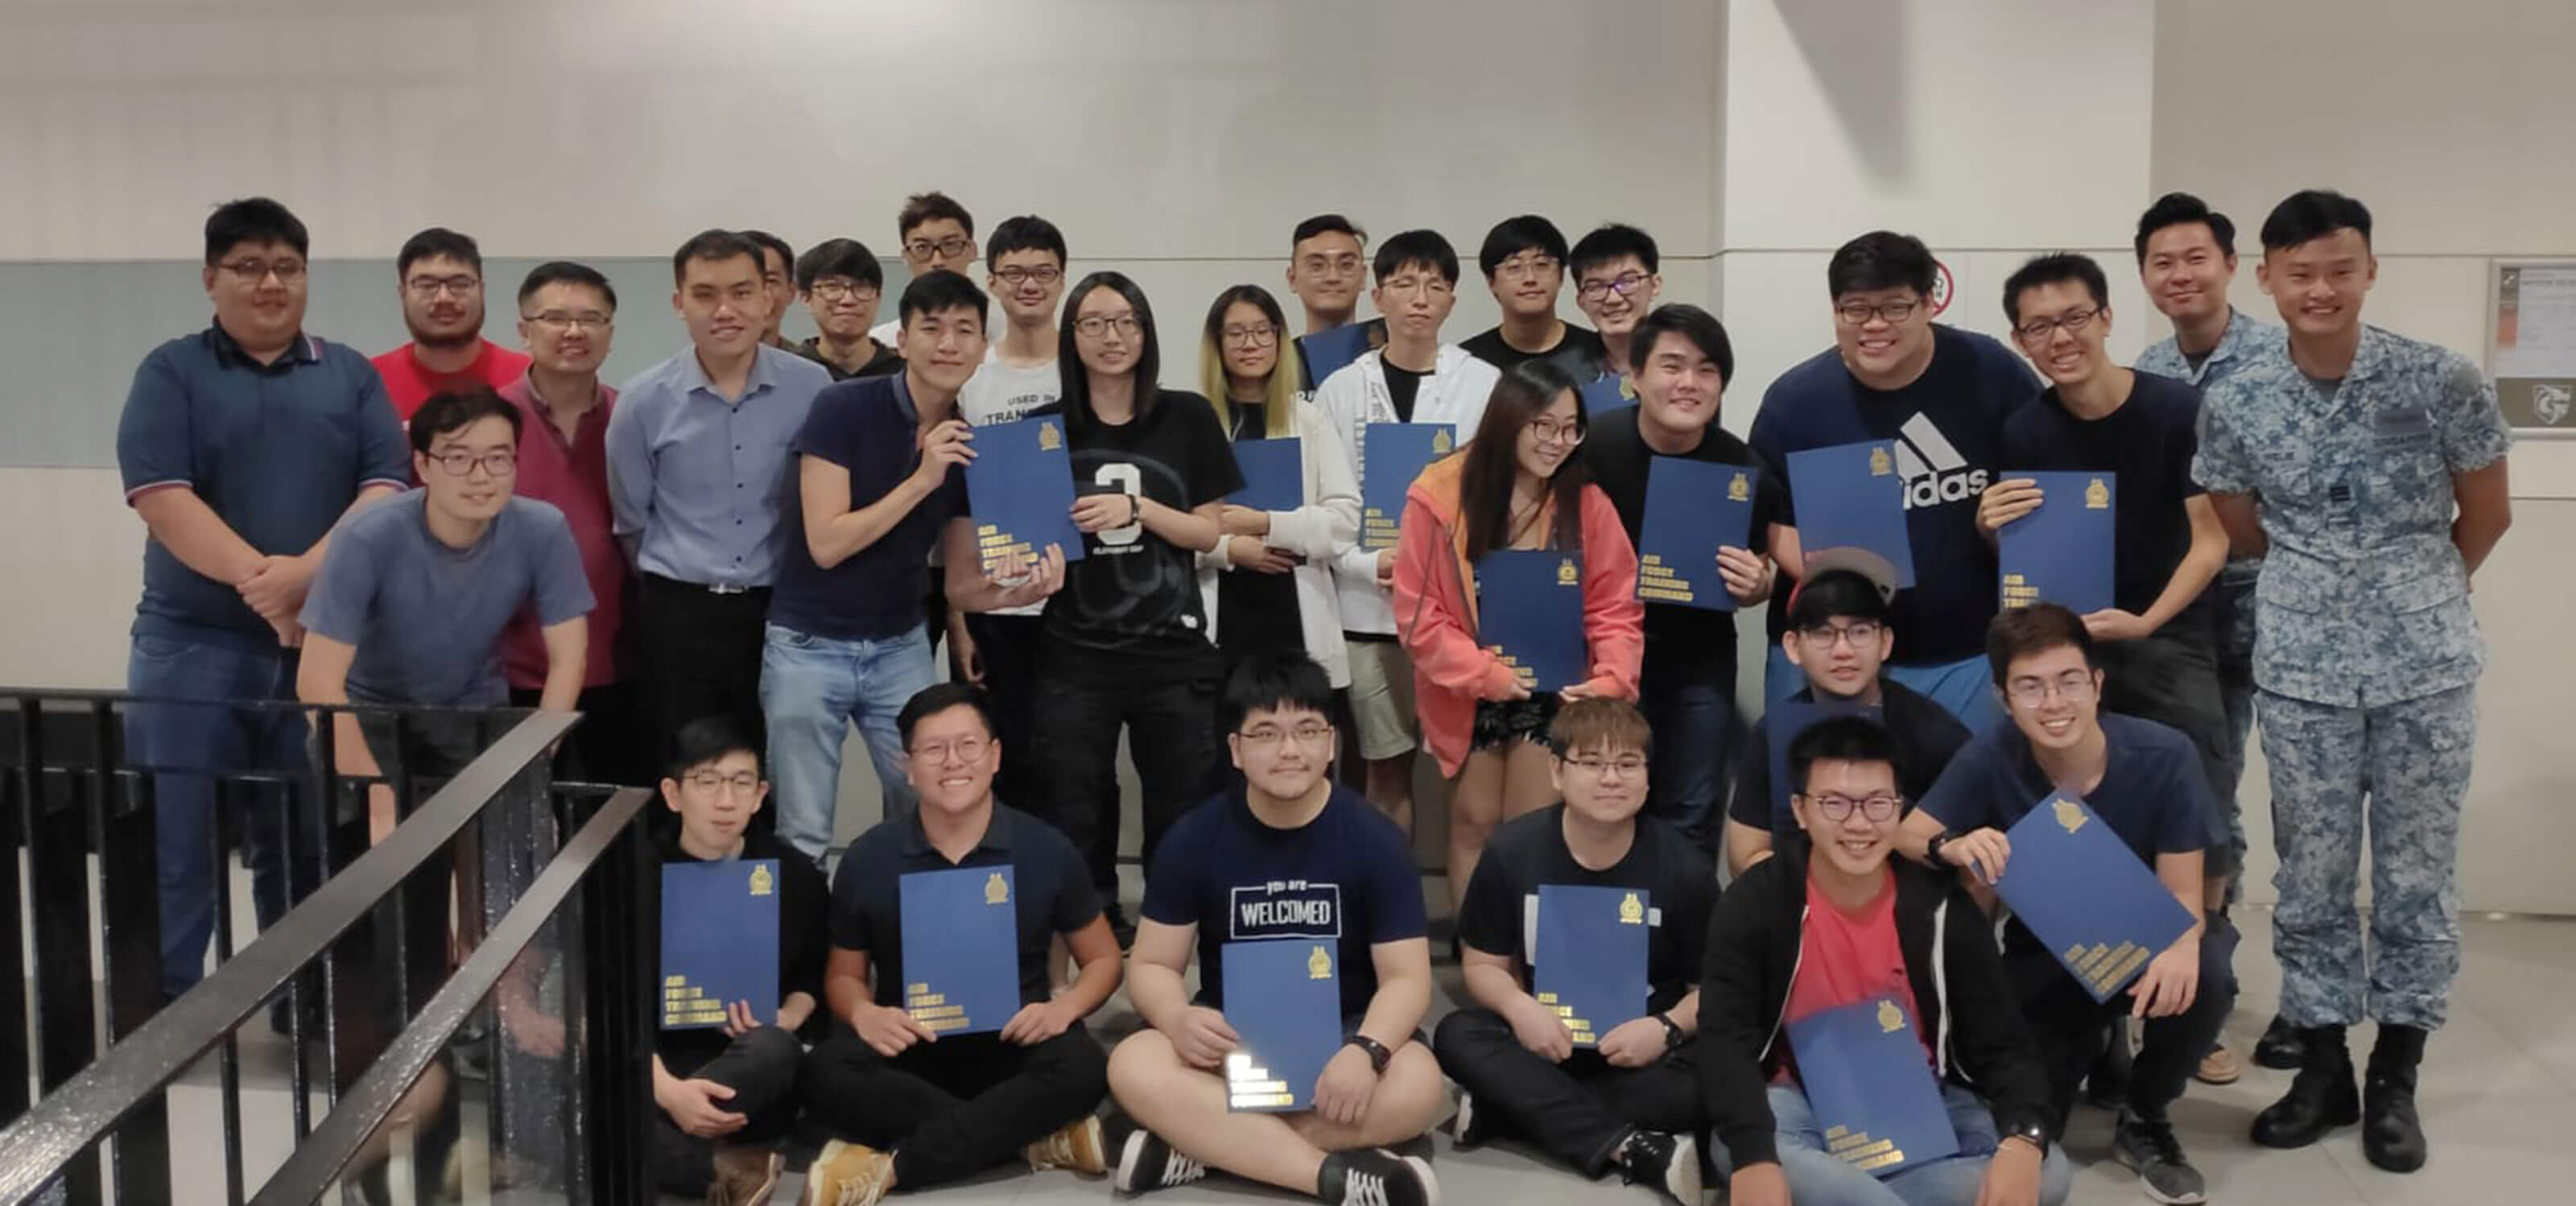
pixel 1781 725
pixel 1870 1084
pixel 2083 893
pixel 1391 456
pixel 1329 352
pixel 1283 999
pixel 1693 508
pixel 1588 957
pixel 1529 609
pixel 1274 474
pixel 961 948
pixel 1020 490
pixel 719 940
pixel 1605 393
pixel 1851 496
pixel 2062 552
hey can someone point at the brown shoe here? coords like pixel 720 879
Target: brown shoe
pixel 2219 1067
pixel 1075 1148
pixel 848 1174
pixel 745 1176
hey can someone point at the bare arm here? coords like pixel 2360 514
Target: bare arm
pixel 1403 990
pixel 1747 845
pixel 1154 967
pixel 1095 950
pixel 2243 524
pixel 1197 529
pixel 193 533
pixel 833 530
pixel 2200 563
pixel 567 654
pixel 1493 980
pixel 2486 510
pixel 845 982
pixel 322 677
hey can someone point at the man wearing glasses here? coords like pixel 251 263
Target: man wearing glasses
pixel 1524 264
pixel 935 234
pixel 1940 395
pixel 1326 265
pixel 2144 781
pixel 1617 281
pixel 240 447
pixel 442 305
pixel 842 282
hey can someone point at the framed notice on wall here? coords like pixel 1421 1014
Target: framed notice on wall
pixel 2531 343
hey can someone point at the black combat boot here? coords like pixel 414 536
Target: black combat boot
pixel 2321 1098
pixel 2280 1046
pixel 2390 1133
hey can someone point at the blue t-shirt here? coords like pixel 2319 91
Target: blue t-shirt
pixel 1346 875
pixel 2148 442
pixel 2152 792
pixel 278 451
pixel 867 426
pixel 426 618
pixel 1948 429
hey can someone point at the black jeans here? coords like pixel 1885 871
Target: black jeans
pixel 2071 1029
pixel 761 1068
pixel 1171 736
pixel 953 1108
pixel 1008 648
pixel 697 653
pixel 1577 1111
pixel 2171 678
pixel 610 744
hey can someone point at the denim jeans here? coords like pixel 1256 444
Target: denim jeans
pixel 1690 715
pixel 811 689
pixel 189 746
pixel 1818 1178
pixel 1966 688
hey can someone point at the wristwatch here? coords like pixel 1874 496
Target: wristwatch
pixel 2031 1131
pixel 1376 1051
pixel 1674 1035
pixel 1932 848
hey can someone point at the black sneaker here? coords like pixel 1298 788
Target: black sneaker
pixel 1120 927
pixel 1468 1128
pixel 2148 1146
pixel 1377 1177
pixel 1145 1162
pixel 1665 1161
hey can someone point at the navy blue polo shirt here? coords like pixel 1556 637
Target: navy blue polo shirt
pixel 867 426
pixel 277 450
pixel 1054 890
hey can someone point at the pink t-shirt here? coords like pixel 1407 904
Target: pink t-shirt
pixel 1845 958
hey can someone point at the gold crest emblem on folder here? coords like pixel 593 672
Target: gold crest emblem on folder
pixel 761 881
pixel 2070 815
pixel 1049 438
pixel 1881 464
pixel 1566 574
pixel 1440 444
pixel 1890 1018
pixel 1738 490
pixel 997 890
pixel 1632 911
pixel 2097 496
pixel 1319 966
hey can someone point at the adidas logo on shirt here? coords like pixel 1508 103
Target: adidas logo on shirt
pixel 1933 470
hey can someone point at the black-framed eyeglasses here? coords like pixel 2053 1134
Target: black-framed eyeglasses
pixel 2040 330
pixel 255 271
pixel 966 749
pixel 1834 806
pixel 1260 336
pixel 1854 314
pixel 458 463
pixel 1859 632
pixel 832 291
pixel 1095 325
pixel 431 286
pixel 954 245
pixel 1271 735
pixel 742 782
pixel 1624 284
pixel 1015 277
pixel 557 320
pixel 2074 686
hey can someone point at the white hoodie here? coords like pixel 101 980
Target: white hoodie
pixel 1455 393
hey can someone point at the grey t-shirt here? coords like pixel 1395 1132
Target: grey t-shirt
pixel 426 618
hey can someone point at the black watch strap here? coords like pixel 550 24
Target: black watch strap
pixel 1932 848
pixel 1376 1051
pixel 1674 1035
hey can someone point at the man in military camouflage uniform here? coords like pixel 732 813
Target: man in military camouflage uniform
pixel 2372 468
pixel 2186 260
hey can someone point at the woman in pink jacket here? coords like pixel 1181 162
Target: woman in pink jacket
pixel 1517 485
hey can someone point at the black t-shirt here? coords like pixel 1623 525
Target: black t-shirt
pixel 1680 640
pixel 1579 352
pixel 801 896
pixel 1401 386
pixel 1346 875
pixel 2148 442
pixel 1679 882
pixel 1256 612
pixel 1054 892
pixel 1129 611
pixel 1927 738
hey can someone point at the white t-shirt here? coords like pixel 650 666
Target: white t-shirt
pixel 1002 393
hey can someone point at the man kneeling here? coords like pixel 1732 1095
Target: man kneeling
pixel 1632 1101
pixel 906 1105
pixel 1289 855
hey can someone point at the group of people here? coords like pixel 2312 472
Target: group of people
pixel 753 547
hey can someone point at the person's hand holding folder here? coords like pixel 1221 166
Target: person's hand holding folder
pixel 1202 1039
pixel 951 443
pixel 1982 852
pixel 1026 580
pixel 887 1029
pixel 1634 1043
pixel 1748 575
pixel 1540 1031
pixel 2006 501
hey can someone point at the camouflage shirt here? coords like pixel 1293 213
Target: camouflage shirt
pixel 2246 341
pixel 2364 599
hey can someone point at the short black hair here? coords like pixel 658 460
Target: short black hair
pixel 2057 267
pixel 1273 682
pixel 1323 224
pixel 930 207
pixel 939 697
pixel 1611 241
pixel 713 245
pixel 939 290
pixel 1845 738
pixel 1027 232
pixel 252 220
pixel 1690 322
pixel 438 242
pixel 1881 259
pixel 453 410
pixel 770 242
pixel 1417 249
pixel 839 257
pixel 1074 381
pixel 1512 236
pixel 703 741
pixel 1836 592
pixel 566 272
pixel 2183 209
pixel 2019 632
pixel 2313 213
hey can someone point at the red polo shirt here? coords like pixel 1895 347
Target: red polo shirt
pixel 572 476
pixel 409 384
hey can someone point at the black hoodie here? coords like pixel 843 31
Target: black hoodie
pixel 1960 996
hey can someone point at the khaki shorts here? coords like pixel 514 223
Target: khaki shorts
pixel 1382 698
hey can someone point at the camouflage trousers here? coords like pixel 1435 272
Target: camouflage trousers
pixel 2398 772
